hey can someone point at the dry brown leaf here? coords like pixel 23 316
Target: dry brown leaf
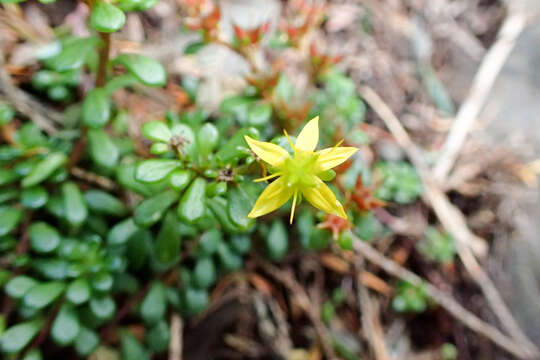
pixel 260 283
pixel 334 263
pixel 375 283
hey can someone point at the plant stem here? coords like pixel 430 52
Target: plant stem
pixel 101 77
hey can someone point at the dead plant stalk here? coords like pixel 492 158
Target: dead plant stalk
pixel 446 301
pixel 454 222
pixel 484 79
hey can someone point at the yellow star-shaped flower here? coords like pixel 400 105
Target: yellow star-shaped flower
pixel 300 174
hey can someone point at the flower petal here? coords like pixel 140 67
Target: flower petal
pixel 271 153
pixel 309 136
pixel 323 198
pixel 332 157
pixel 275 195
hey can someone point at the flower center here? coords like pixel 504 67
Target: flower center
pixel 300 169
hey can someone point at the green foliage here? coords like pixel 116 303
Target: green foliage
pixel 409 298
pixel 132 349
pixel 103 222
pixel 147 70
pixel 66 326
pixel 18 336
pixel 75 52
pixel 153 306
pixel 400 183
pixel 449 352
pixel 6 113
pixel 437 246
pixel 96 109
pixel 328 310
pixel 277 241
pixel 106 17
pixel 339 103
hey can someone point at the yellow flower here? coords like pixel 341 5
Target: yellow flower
pixel 300 174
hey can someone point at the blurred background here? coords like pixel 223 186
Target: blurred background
pixel 460 76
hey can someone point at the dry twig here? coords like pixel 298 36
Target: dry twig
pixel 90 177
pixel 304 302
pixel 453 221
pixel 446 301
pixel 244 346
pixel 488 71
pixel 371 325
pixel 41 115
pixel 175 346
pixel 272 324
pixel 451 218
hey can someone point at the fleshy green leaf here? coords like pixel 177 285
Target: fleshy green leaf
pixel 34 197
pixel 132 349
pixel 158 337
pixel 149 71
pixel 121 232
pixel 154 304
pixel 102 307
pixel 139 249
pixel 17 337
pixel 7 176
pixel 179 179
pixel 216 188
pixel 106 17
pixel 259 114
pixel 6 113
pixel 104 203
pixel 96 108
pixel 78 292
pixel 19 286
pixel 151 210
pixel 192 205
pixel 219 207
pixel 87 341
pixel 102 281
pixel 204 273
pixel 44 169
pixel 157 131
pixel 237 106
pixel 156 169
pixel 9 219
pixel 66 326
pixel 102 149
pixel 43 237
pixel 73 54
pixel 43 294
pixel 209 242
pixel 236 146
pixel 229 259
pixel 125 175
pixel 7 194
pixel 240 204
pixel 277 241
pixel 33 354
pixel 207 138
pixel 76 211
pixel 241 243
pixel 159 148
pixel 167 246
pixel 186 137
pixel 194 47
pixel 136 5
pixel 29 136
pixel 195 300
pixel 54 269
